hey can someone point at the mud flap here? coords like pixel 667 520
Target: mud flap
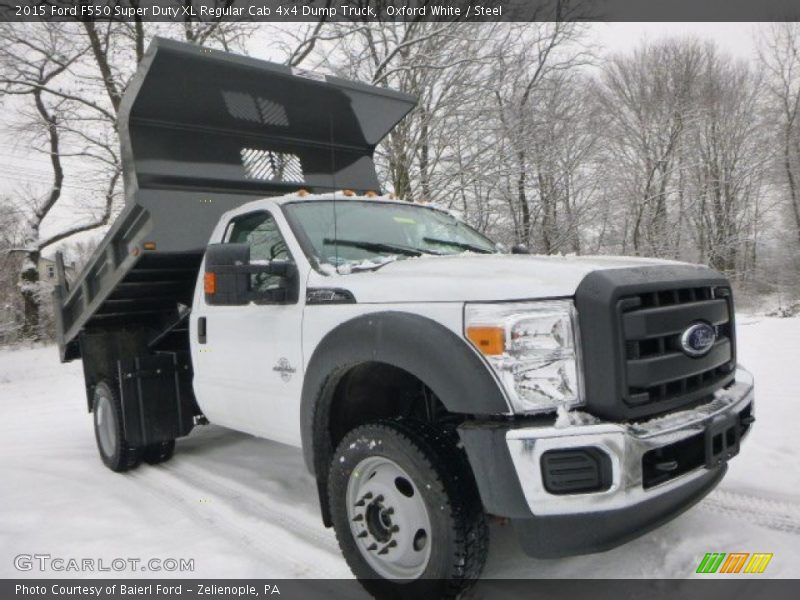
pixel 157 404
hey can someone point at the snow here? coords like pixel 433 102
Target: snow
pixel 571 418
pixel 244 507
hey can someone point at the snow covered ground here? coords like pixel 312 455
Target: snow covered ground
pixel 244 507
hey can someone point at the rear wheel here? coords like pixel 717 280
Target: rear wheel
pixel 114 449
pixel 406 510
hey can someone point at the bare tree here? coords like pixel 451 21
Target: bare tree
pixel 34 62
pixel 729 158
pixel 779 53
pixel 647 97
pixel 70 78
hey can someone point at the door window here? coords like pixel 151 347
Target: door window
pixel 260 232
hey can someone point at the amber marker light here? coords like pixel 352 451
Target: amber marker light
pixel 489 340
pixel 210 283
pixel 349 193
pixel 149 245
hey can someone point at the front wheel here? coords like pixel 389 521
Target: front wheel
pixel 406 510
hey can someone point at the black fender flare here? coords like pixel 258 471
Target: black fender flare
pixel 426 349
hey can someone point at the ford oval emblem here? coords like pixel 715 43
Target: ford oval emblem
pixel 698 339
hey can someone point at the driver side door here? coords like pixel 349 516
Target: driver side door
pixel 251 354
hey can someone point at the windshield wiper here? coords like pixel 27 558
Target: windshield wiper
pixel 378 247
pixel 461 245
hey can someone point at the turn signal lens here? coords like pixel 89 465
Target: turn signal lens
pixel 210 283
pixel 149 245
pixel 489 340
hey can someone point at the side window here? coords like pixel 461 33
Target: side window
pixel 260 232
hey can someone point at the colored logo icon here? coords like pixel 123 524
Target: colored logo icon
pixel 734 562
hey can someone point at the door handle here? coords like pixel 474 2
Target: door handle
pixel 201 330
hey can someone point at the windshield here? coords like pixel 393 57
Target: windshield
pixel 368 234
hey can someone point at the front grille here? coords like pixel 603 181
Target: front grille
pixel 655 369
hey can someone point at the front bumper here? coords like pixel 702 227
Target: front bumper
pixel 507 462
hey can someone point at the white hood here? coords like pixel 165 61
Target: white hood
pixel 475 277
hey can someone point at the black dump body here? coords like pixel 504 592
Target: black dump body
pixel 203 132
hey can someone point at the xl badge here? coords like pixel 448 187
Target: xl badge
pixel 284 368
pixel 698 339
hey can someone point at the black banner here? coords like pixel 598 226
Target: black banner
pixel 741 587
pixel 180 11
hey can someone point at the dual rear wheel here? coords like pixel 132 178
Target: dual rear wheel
pixel 115 451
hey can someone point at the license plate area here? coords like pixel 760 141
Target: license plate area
pixel 722 439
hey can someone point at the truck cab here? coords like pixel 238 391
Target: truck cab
pixel 431 378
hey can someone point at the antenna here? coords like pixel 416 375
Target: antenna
pixel 333 179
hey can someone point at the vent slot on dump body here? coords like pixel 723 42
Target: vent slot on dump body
pixel 272 166
pixel 247 107
pixel 656 368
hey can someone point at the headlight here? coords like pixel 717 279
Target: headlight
pixel 533 349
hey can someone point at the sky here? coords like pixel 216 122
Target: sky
pixel 19 167
pixel 738 39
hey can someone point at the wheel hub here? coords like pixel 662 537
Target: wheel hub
pixel 379 521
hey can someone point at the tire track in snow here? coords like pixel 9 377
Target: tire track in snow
pixel 165 488
pixel 772 514
pixel 259 505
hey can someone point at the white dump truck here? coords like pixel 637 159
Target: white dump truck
pixel 258 280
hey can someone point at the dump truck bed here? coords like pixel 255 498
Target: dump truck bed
pixel 203 132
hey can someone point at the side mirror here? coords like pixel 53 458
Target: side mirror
pixel 520 249
pixel 228 276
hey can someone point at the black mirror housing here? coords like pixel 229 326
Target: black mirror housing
pixel 224 286
pixel 228 274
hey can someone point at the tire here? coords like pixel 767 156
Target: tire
pixel 417 471
pixel 114 449
pixel 159 452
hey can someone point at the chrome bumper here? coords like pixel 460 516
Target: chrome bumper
pixel 625 444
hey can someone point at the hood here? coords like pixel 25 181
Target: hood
pixel 476 278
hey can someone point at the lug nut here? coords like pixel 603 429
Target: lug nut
pixel 385 549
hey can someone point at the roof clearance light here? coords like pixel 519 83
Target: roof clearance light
pixel 302 192
pixel 371 194
pixel 348 193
